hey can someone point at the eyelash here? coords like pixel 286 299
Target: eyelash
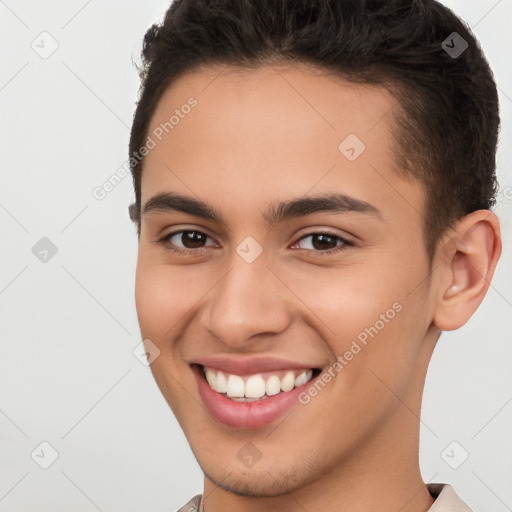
pixel 344 243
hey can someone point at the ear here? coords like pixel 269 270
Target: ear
pixel 466 260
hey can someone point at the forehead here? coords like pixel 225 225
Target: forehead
pixel 274 131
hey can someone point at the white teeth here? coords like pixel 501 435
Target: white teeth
pixel 235 386
pixel 273 386
pixel 302 378
pixel 288 382
pixel 222 383
pixel 255 387
pixel 211 378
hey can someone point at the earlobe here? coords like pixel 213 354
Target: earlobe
pixel 467 259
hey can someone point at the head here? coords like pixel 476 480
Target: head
pixel 336 168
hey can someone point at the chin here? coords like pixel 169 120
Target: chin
pixel 257 485
pixel 263 481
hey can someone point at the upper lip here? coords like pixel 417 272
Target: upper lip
pixel 249 365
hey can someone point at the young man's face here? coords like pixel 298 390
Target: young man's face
pixel 253 141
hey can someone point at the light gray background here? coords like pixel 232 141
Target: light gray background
pixel 68 375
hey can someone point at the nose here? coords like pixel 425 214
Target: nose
pixel 247 301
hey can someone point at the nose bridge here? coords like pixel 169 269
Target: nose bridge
pixel 247 300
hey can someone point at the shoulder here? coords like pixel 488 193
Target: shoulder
pixel 193 505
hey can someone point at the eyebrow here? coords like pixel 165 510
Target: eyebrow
pixel 277 212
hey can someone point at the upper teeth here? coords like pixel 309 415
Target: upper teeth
pixel 255 386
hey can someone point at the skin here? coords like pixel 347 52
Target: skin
pixel 272 134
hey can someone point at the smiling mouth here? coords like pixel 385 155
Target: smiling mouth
pixel 258 386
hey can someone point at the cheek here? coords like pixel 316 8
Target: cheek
pixel 374 336
pixel 157 301
pixel 163 295
pixel 369 316
pixel 148 299
pixel 345 301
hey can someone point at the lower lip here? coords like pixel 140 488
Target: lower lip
pixel 248 415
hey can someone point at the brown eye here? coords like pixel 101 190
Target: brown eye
pixel 185 240
pixel 192 239
pixel 323 243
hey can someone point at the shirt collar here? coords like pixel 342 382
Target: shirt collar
pixel 447 500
